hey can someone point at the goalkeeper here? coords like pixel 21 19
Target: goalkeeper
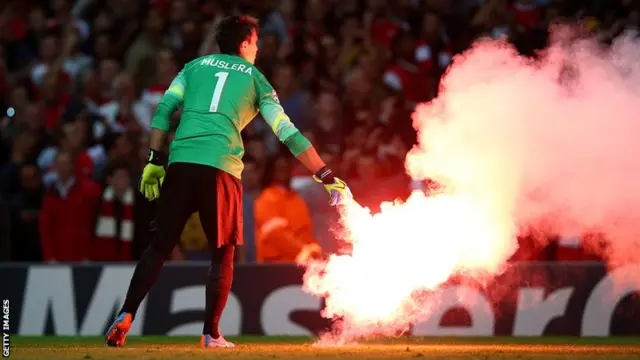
pixel 220 94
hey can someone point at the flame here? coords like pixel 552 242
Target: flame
pixel 513 142
pixel 406 249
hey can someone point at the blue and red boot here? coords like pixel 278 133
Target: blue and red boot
pixel 117 333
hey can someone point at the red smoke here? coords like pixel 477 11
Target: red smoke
pixel 515 142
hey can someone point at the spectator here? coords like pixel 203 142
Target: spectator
pixel 92 98
pixel 48 52
pixel 166 70
pixel 25 208
pixel 76 138
pixel 355 147
pixel 123 149
pixel 391 151
pixel 63 17
pixel 434 51
pixel 103 22
pixel 178 16
pixel 359 101
pixel 99 88
pixel 22 51
pixel 329 72
pixel 114 229
pixel 347 72
pixel 68 214
pixel 327 126
pixel 526 14
pixel 192 39
pixel 284 230
pixel 32 122
pixel 294 101
pixel 125 111
pixel 252 176
pixel 272 21
pixel 209 44
pixel 54 100
pixel 313 24
pixel 268 56
pixel 146 45
pixel 124 25
pixel 102 48
pixel 28 123
pixel 354 40
pixel 287 9
pixel 22 151
pixel 492 19
pixel 256 150
pixel 385 22
pixel 77 62
pixel 404 76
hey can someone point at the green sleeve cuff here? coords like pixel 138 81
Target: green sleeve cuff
pixel 297 143
pixel 161 119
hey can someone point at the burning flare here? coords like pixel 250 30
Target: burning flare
pixel 512 141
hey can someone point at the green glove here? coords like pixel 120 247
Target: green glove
pixel 152 175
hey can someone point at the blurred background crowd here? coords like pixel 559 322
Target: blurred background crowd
pixel 79 82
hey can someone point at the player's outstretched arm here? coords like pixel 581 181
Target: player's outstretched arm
pixel 169 104
pixel 299 145
pixel 153 173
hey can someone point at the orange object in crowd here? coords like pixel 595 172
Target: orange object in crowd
pixel 283 225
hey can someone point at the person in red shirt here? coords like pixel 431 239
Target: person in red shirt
pixel 433 52
pixel 54 100
pixel 74 137
pixel 526 14
pixel 114 229
pixel 386 19
pixel 68 214
pixel 313 26
pixel 166 70
pixel 404 76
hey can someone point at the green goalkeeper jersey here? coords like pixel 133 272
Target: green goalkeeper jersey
pixel 220 94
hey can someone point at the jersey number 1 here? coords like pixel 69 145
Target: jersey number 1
pixel 217 91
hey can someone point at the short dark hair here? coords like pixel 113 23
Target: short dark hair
pixel 233 30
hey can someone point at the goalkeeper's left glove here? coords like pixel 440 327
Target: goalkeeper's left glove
pixel 153 175
pixel 338 190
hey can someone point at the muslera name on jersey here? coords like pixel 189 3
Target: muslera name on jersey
pixel 221 64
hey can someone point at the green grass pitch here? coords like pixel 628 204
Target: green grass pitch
pixel 262 347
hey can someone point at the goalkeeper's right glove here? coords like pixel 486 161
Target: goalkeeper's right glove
pixel 153 175
pixel 339 192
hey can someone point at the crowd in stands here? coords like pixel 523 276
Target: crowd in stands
pixel 79 82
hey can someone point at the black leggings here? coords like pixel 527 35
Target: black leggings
pixel 188 188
